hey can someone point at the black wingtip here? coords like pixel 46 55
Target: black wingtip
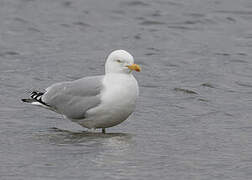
pixel 24 100
pixel 27 100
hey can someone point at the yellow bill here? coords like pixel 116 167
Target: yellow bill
pixel 134 67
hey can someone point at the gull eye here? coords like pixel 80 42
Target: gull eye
pixel 119 61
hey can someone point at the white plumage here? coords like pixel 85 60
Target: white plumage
pixel 117 102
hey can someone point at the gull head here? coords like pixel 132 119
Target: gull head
pixel 120 61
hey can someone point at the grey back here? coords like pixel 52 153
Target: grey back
pixel 74 98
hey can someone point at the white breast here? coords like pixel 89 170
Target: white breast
pixel 117 101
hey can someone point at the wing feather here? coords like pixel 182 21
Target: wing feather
pixel 74 98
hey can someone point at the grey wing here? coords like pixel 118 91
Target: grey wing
pixel 74 98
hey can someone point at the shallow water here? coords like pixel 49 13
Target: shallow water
pixel 193 118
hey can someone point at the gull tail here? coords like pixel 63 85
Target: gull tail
pixel 36 99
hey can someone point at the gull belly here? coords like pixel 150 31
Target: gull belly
pixel 118 101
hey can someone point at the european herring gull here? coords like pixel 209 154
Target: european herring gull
pixel 95 101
